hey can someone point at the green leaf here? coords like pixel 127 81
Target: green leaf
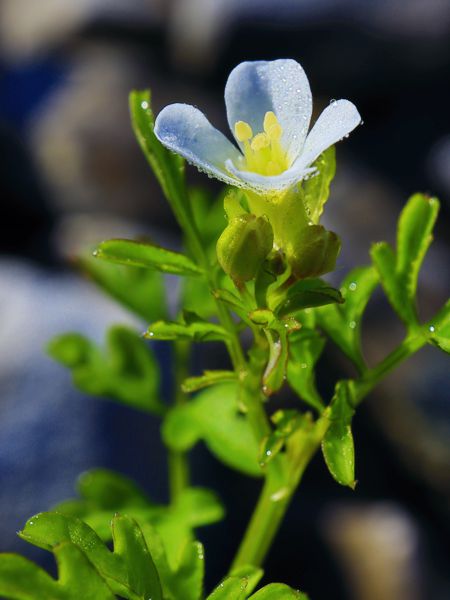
pixel 193 384
pixel 439 328
pixel 213 416
pixel 181 577
pixel 129 570
pixel 126 371
pixel 399 273
pixel 308 293
pixel 278 591
pixel 20 579
pixel 343 323
pixel 316 189
pixel 167 166
pixel 337 445
pixel 192 328
pixel 305 348
pixel 140 290
pixel 287 422
pixel 146 255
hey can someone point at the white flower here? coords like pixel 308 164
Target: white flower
pixel 269 109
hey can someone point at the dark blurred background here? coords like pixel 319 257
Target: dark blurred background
pixel 71 174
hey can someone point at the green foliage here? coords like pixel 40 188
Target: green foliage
pixel 129 570
pixel 126 371
pixel 239 585
pixel 21 579
pixel 307 294
pixel 316 189
pixel 305 348
pixel 193 384
pixel 147 256
pixel 287 422
pixel 213 416
pixel 399 271
pixel 343 322
pixel 191 327
pixel 103 493
pixel 337 445
pixel 140 290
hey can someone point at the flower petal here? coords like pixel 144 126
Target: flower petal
pixel 281 86
pixel 269 183
pixel 185 130
pixel 335 122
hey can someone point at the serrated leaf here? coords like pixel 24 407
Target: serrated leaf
pixel 316 189
pixel 146 255
pixel 399 272
pixel 129 570
pixel 126 371
pixel 193 384
pixel 21 579
pixel 337 445
pixel 213 416
pixel 140 290
pixel 343 323
pixel 192 328
pixel 278 591
pixel 305 348
pixel 308 293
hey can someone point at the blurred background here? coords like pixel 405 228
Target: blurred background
pixel 71 174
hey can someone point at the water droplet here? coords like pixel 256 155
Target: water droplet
pixel 303 366
pixel 352 324
pixel 431 328
pixel 268 452
pixel 144 104
pixel 151 334
pixel 352 287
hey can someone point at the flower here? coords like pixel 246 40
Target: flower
pixel 269 107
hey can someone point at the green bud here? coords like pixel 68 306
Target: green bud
pixel 314 252
pixel 243 246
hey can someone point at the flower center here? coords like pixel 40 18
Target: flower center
pixel 263 152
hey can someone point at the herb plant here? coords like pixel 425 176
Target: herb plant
pixel 252 282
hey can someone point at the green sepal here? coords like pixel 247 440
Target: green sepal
pixel 399 271
pixel 337 445
pixel 129 570
pixel 21 579
pixel 305 348
pixel 191 327
pixel 126 371
pixel 277 334
pixel 140 290
pixel 313 252
pixel 243 246
pixel 316 189
pixel 343 323
pixel 193 384
pixel 146 255
pixel 308 294
pixel 213 416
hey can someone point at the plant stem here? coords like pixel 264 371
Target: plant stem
pixel 177 461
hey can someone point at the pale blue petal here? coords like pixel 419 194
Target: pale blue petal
pixel 335 123
pixel 185 130
pixel 281 86
pixel 269 183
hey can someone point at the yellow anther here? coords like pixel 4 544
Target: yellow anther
pixel 259 142
pixel 242 131
pixel 272 126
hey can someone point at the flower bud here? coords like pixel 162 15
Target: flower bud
pixel 314 252
pixel 244 245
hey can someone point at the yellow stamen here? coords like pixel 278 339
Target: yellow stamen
pixel 243 131
pixel 259 142
pixel 272 126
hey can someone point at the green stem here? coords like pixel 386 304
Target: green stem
pixel 177 461
pixel 275 499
